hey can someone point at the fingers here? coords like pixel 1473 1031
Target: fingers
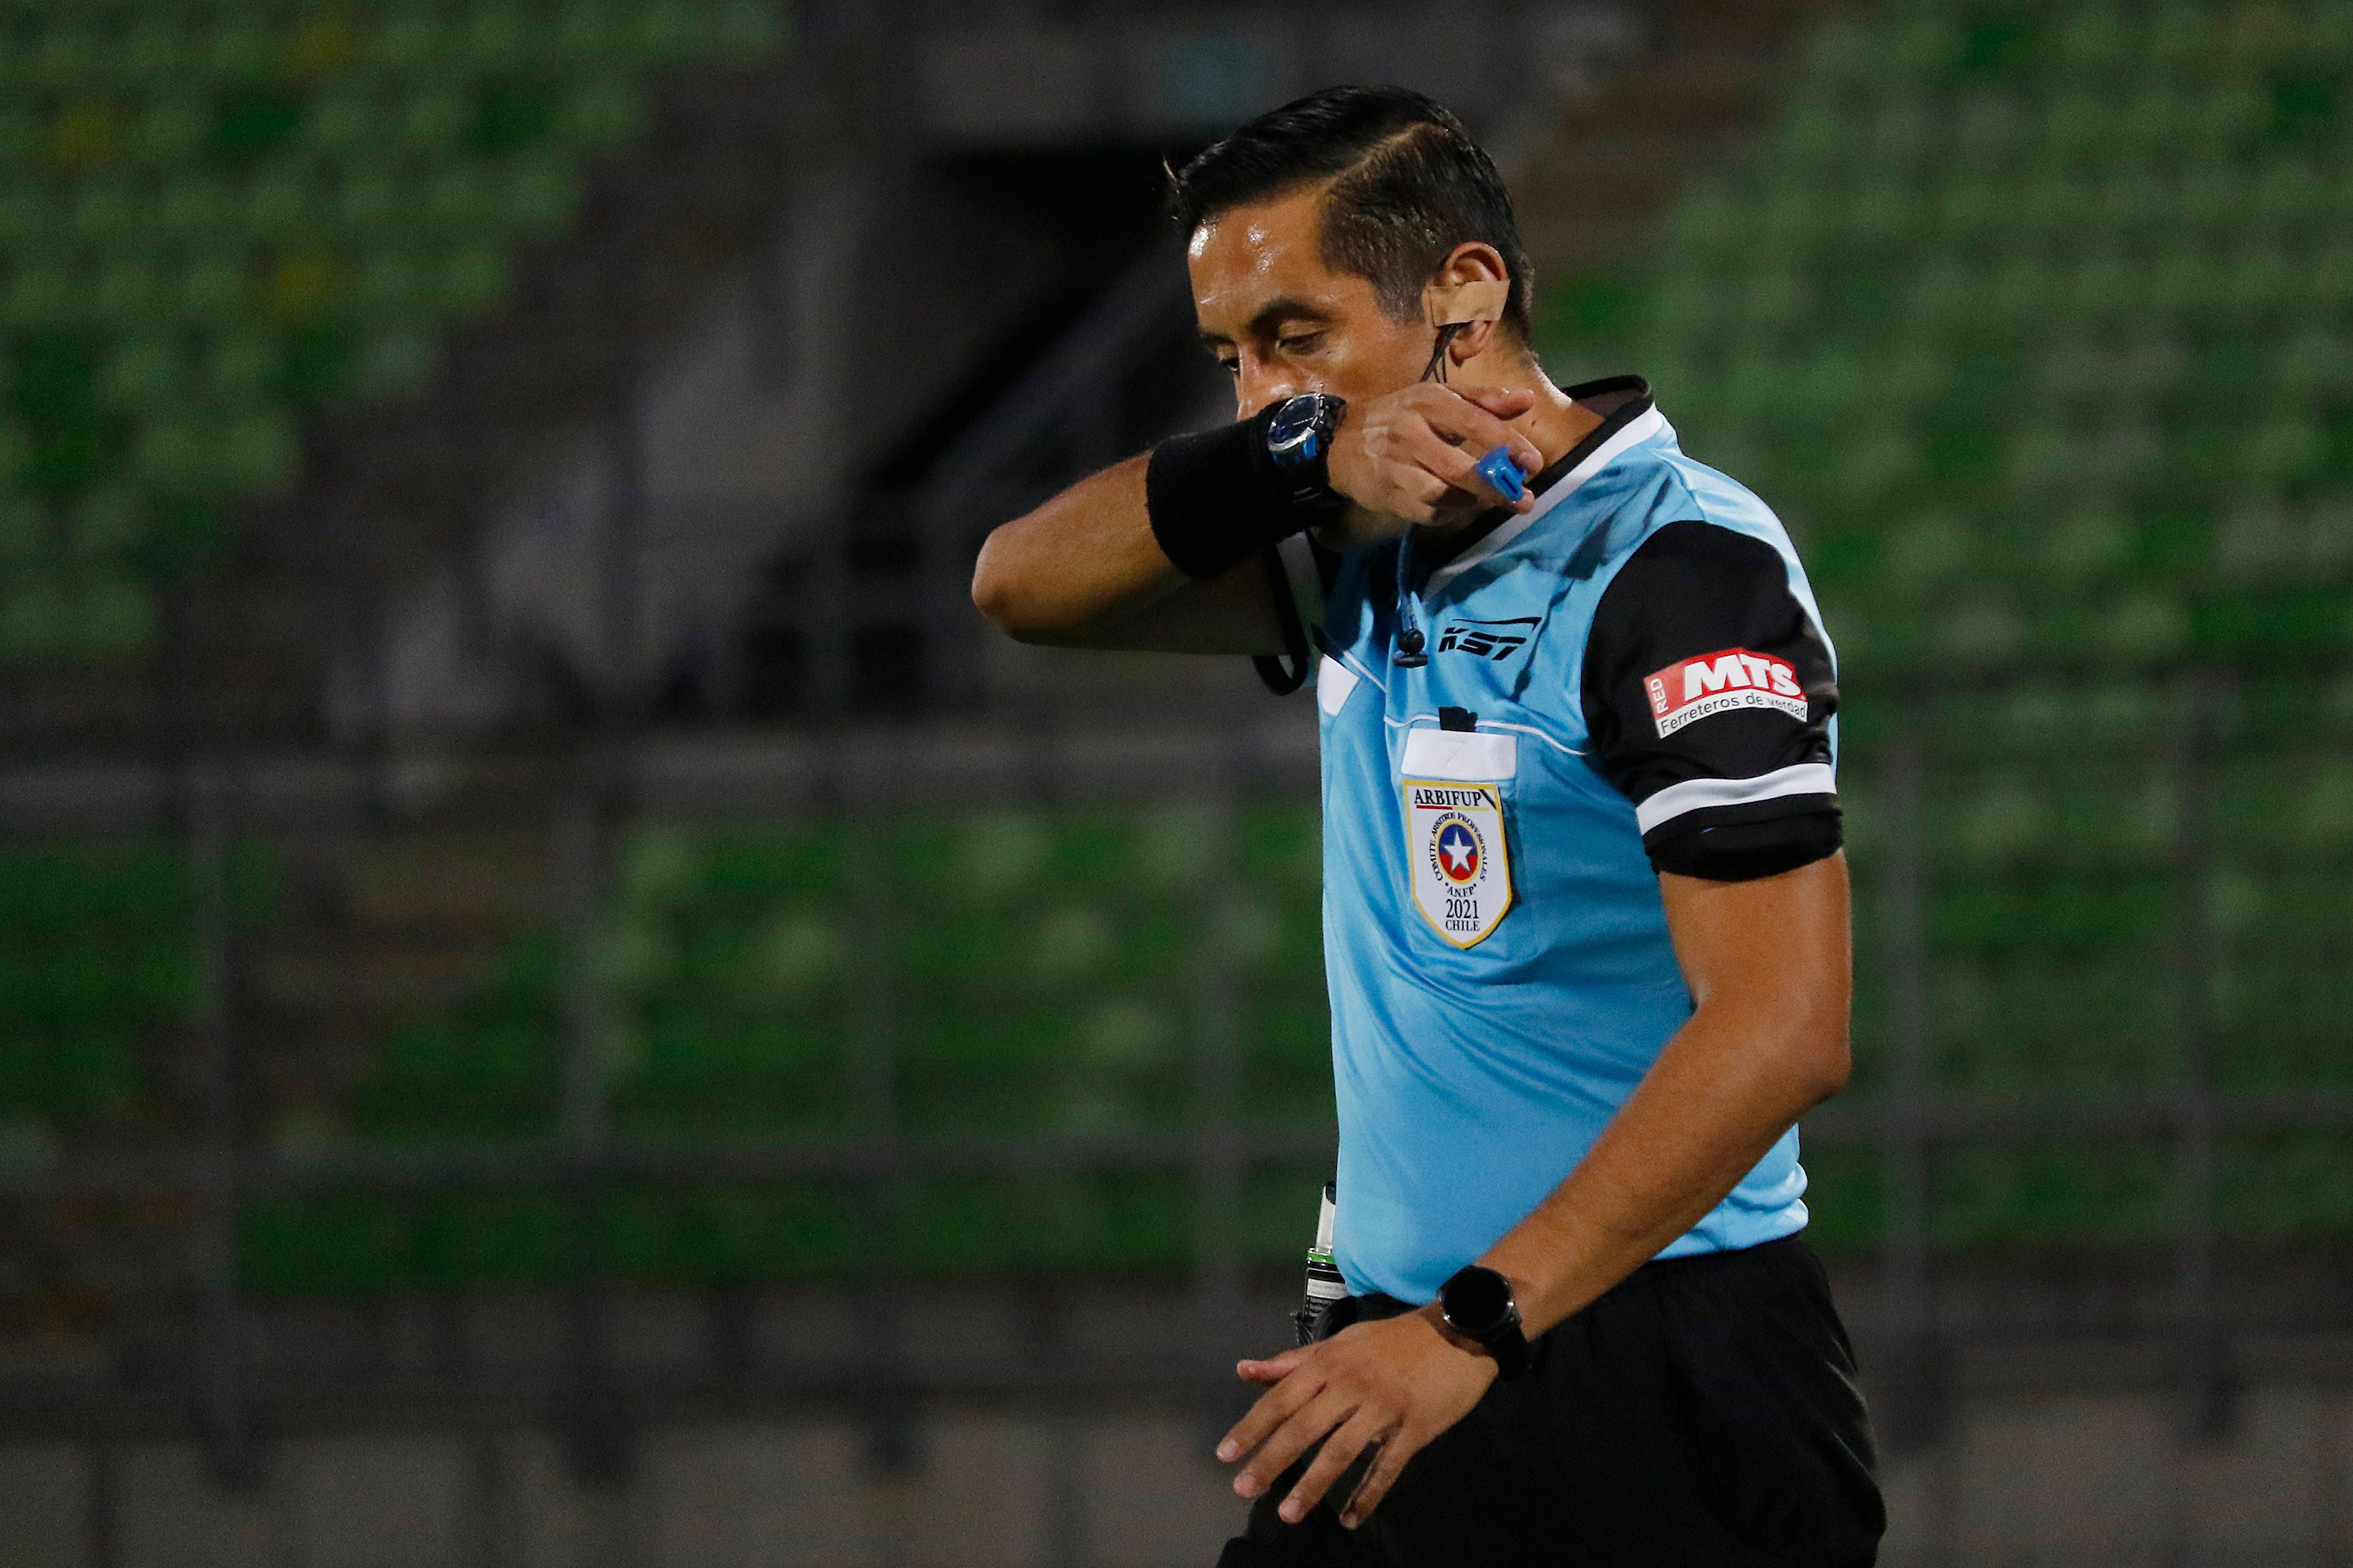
pixel 1292 1438
pixel 1275 1406
pixel 1460 419
pixel 1267 1374
pixel 1502 401
pixel 1360 1431
pixel 1414 456
pixel 1459 470
pixel 1441 458
pixel 1388 1462
pixel 1273 1368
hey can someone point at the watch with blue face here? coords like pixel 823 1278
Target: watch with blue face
pixel 1299 445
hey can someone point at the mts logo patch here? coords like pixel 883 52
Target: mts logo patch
pixel 1497 640
pixel 1693 688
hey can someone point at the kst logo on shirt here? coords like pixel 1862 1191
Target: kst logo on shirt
pixel 1693 688
pixel 1488 639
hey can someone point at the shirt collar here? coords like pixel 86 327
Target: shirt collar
pixel 1630 416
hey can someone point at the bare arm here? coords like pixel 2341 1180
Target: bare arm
pixel 1769 965
pixel 1767 962
pixel 1084 570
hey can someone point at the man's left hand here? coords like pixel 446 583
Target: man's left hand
pixel 1397 1383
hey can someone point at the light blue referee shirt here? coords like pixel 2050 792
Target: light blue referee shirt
pixel 1499 965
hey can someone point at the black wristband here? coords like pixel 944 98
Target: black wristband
pixel 1215 499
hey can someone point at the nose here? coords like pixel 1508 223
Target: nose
pixel 1260 384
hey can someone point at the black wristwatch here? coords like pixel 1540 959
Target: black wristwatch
pixel 1299 445
pixel 1477 1304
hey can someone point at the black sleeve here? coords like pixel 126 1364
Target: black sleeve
pixel 1708 694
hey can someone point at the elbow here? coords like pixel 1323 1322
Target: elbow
pixel 994 592
pixel 1821 1062
pixel 998 593
pixel 1785 1059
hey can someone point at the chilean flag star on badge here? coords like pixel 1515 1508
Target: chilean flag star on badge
pixel 1457 853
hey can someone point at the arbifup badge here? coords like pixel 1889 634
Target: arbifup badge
pixel 1462 874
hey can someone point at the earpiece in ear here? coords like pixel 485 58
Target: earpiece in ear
pixel 1450 307
pixel 1462 304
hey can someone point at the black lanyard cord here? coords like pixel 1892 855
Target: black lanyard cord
pixel 1436 369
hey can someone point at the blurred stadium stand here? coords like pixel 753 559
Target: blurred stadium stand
pixel 537 922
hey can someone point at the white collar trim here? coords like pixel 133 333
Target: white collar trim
pixel 1648 425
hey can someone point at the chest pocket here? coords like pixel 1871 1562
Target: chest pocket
pixel 1454 784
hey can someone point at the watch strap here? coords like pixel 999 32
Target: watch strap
pixel 1307 470
pixel 1504 1338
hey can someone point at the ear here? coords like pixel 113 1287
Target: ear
pixel 1468 292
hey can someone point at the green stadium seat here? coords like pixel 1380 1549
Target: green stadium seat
pixel 349 1245
pixel 193 207
pixel 172 130
pixel 41 295
pixel 143 372
pixel 344 121
pixel 371 200
pixel 1841 55
pixel 2315 360
pixel 241 366
pixel 128 290
pixel 408 41
pixel 212 287
pixel 434 121
pixel 35 619
pixel 587 34
pixel 540 195
pixel 388 283
pixel 277 205
pixel 2093 42
pixel 599 113
pixel 258 452
pixel 25 537
pixel 496 39
pixel 96 955
pixel 501 1239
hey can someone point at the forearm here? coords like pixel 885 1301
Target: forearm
pixel 1084 558
pixel 1709 1108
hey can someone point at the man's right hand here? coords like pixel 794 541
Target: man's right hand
pixel 1410 458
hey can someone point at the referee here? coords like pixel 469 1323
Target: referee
pixel 1584 908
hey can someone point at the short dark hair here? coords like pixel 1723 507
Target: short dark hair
pixel 1409 185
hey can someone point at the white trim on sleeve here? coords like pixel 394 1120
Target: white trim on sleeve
pixel 1698 795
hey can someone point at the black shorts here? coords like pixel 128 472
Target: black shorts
pixel 1702 1414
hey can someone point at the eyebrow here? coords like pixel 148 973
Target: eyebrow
pixel 1273 313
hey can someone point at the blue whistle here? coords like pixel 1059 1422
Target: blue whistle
pixel 1510 481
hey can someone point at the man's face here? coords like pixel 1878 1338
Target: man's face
pixel 1282 322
